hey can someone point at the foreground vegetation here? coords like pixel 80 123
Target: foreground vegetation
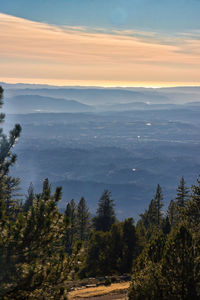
pixel 41 248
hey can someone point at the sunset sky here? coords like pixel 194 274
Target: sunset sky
pixel 102 43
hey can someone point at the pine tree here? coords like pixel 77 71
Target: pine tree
pixel 98 261
pixel 196 191
pixel 83 219
pixel 141 235
pixel 147 281
pixel 71 214
pixel 153 216
pixel 173 213
pixel 146 284
pixel 105 215
pixel 178 266
pixel 116 248
pixel 175 208
pixel 7 158
pixel 2 212
pixel 149 218
pixel 167 269
pixel 33 264
pixel 159 204
pixel 129 241
pixel 182 193
pixel 46 191
pixel 166 225
pixel 191 212
pixel 8 184
pixel 29 198
pixel 12 202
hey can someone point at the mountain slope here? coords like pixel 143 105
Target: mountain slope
pixel 37 103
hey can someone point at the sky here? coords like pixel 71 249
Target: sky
pixel 148 43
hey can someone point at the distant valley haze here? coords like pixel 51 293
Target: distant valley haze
pixel 90 139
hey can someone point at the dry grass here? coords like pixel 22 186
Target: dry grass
pixel 109 292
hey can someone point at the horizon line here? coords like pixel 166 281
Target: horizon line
pixel 80 83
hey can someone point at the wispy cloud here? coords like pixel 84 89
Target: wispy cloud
pixel 41 51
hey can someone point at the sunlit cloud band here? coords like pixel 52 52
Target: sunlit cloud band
pixel 42 53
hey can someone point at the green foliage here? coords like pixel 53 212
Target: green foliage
pixel 152 219
pixel 146 284
pixel 129 242
pixel 141 235
pixel 158 200
pixel 176 207
pixel 32 262
pixel 116 247
pixel 9 206
pixel 29 198
pixel 111 252
pixel 169 265
pixel 153 253
pixel 71 217
pixel 173 213
pixel 77 220
pixel 105 215
pixel 166 226
pixel 191 212
pixel 182 193
pixel 98 255
pixel 107 282
pixel 166 269
pixel 83 220
pixel 178 266
pixel 46 190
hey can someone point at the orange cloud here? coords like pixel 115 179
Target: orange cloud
pixel 39 52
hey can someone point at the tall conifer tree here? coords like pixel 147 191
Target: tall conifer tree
pixel 71 214
pixel 182 193
pixel 8 184
pixel 83 219
pixel 159 204
pixel 105 215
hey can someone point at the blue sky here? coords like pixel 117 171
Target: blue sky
pixel 168 15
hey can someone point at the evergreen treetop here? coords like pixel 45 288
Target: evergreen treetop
pixel 105 215
pixel 182 193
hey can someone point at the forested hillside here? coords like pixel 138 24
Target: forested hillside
pixel 42 249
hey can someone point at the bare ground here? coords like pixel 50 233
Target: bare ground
pixel 116 291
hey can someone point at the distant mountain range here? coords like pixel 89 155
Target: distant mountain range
pixel 37 103
pixel 93 96
pixel 98 98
